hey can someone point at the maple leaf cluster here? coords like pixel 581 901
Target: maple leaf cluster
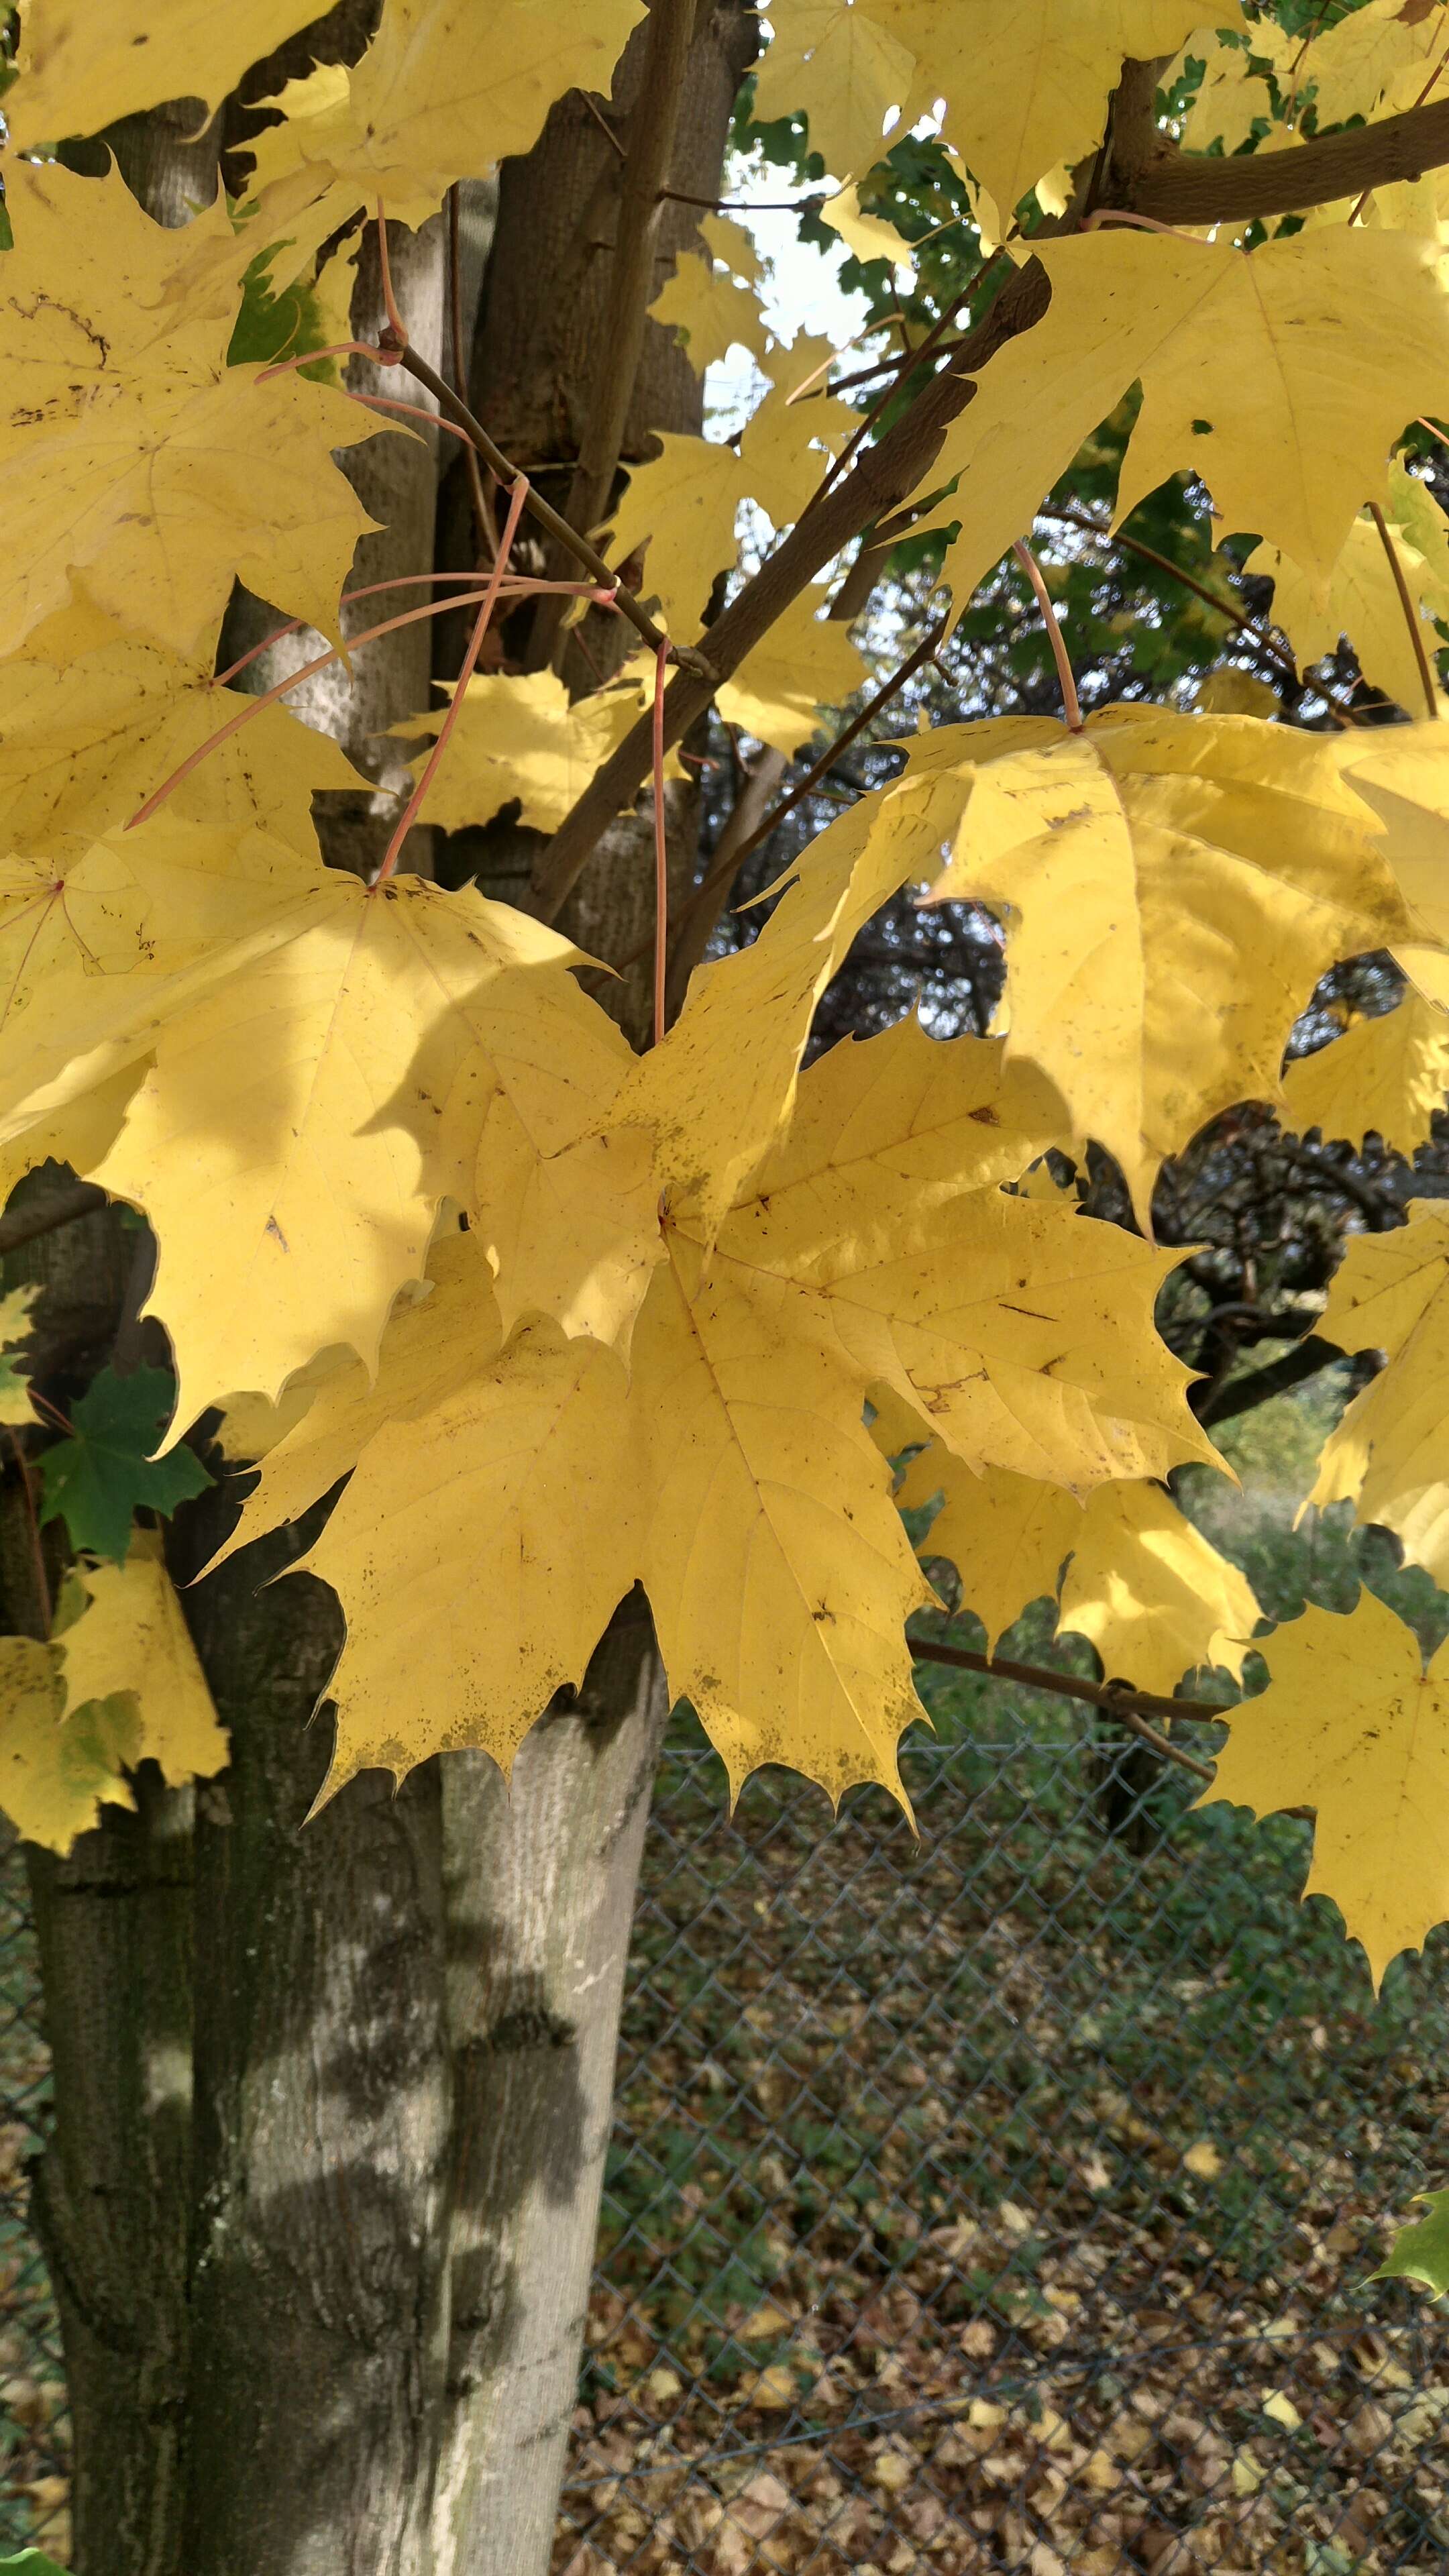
pixel 574 1319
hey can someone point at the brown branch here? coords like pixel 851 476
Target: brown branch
pixel 745 205
pixel 614 360
pixel 64 1207
pixel 1191 188
pixel 1412 620
pixel 916 357
pixel 727 868
pixel 1227 608
pixel 881 481
pixel 1134 1708
pixel 1066 677
pixel 456 410
pixel 698 917
pixel 1307 1359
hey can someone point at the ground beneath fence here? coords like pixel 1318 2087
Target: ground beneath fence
pixel 1007 2200
pixel 1002 2199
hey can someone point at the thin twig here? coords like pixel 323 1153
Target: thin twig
pixel 569 538
pixel 1071 703
pixel 1427 680
pixel 370 589
pixel 602 122
pixel 1134 1708
pixel 927 350
pixel 1149 554
pixel 268 697
pixel 747 205
pixel 484 619
pixel 719 877
pixel 415 411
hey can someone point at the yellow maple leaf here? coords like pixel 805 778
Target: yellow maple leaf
pixel 682 506
pixel 1402 773
pixel 1008 1536
pixel 723 1081
pixel 572 1234
pixel 521 738
pixel 1256 390
pixel 845 69
pixel 1247 380
pixel 428 104
pixel 87 735
pixel 778 1572
pixel 120 1684
pixel 806 662
pixel 1145 1587
pixel 1353 1726
pixel 72 1040
pixel 480 1555
pixel 1370 57
pixel 1006 1323
pixel 1026 83
pixel 791 440
pixel 438 1338
pixel 1155 1598
pixel 1391 1294
pixel 79 72
pixel 1178 885
pixel 868 236
pixel 710 310
pixel 154 898
pixel 133 1639
pixel 54 1773
pixel 1385 1077
pixel 1233 94
pixel 300 1126
pixel 730 1472
pixel 80 1132
pixel 15 1306
pixel 1364 603
pixel 133 454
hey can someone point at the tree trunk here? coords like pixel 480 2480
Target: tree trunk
pixel 323 2243
pixel 540 1886
pixel 109 2196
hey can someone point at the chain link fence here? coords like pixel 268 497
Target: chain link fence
pixel 1004 2198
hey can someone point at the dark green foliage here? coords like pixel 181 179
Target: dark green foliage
pixel 95 1479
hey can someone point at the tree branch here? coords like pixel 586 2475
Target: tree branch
pixel 456 410
pixel 653 125
pixel 28 1223
pixel 1134 1708
pixel 1428 680
pixel 729 861
pixel 1306 1360
pixel 884 477
pixel 1191 188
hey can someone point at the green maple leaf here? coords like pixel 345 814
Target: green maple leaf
pixel 1419 2253
pixel 95 1479
pixel 31 2562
